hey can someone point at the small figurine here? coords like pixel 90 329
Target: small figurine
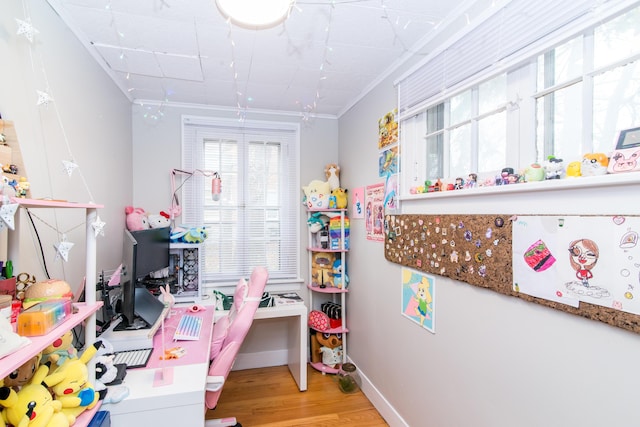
pixel 472 181
pixel 459 185
pixel 554 168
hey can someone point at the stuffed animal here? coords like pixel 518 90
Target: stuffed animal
pixel 24 373
pixel 71 387
pixel 160 220
pixel 60 350
pixel 188 235
pixel 332 173
pixel 136 218
pixel 317 194
pixel 341 197
pixel 340 278
pixel 574 169
pixel 322 269
pixel 327 348
pixel 317 221
pixel 33 405
pixel 553 168
pixel 594 164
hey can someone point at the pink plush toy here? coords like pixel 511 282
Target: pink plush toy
pixel 136 218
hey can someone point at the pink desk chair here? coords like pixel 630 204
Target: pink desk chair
pixel 228 334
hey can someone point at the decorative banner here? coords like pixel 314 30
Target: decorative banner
pixel 374 211
pixel 419 298
pixel 357 203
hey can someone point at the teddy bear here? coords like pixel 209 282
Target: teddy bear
pixel 136 219
pixel 326 348
pixel 183 234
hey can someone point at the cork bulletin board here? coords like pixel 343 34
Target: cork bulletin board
pixel 479 250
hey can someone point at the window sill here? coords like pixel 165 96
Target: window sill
pixel 611 180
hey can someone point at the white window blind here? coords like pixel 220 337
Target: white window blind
pixel 255 222
pixel 517 25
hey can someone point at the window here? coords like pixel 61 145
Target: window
pixel 255 221
pixel 564 90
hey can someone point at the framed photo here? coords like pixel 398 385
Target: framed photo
pixel 628 138
pixel 418 298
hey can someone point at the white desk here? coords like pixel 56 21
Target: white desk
pixel 296 315
pixel 181 401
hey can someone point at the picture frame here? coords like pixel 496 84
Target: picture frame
pixel 628 138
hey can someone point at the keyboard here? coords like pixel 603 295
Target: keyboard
pixel 133 358
pixel 188 328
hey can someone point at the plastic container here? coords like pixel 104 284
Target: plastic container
pixel 348 378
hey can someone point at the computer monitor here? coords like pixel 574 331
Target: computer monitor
pixel 143 252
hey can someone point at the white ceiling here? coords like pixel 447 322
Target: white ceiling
pixel 320 61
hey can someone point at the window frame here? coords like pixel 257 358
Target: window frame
pixel 195 130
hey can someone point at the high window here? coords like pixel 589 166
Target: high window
pixel 564 92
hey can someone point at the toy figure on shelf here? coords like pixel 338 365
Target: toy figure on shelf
pixel 322 269
pixel 59 351
pixel 32 405
pixel 553 168
pixel 326 348
pixel 472 181
pixel 534 172
pixel 340 278
pixel 594 164
pixel 459 185
pixel 71 387
pixel 332 173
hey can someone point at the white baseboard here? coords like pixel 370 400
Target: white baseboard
pixel 381 404
pixel 265 359
pixel 261 359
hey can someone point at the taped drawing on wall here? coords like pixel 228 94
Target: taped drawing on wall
pixel 570 259
pixel 418 298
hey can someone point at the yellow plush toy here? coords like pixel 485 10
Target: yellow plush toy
pixel 71 387
pixel 341 197
pixel 33 405
pixel 60 350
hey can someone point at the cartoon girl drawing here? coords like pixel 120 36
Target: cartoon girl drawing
pixel 424 298
pixel 583 255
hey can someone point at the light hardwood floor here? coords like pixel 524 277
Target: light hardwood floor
pixel 269 397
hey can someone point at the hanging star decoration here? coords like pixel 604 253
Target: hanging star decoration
pixel 7 213
pixel 43 98
pixel 98 226
pixel 69 166
pixel 26 29
pixel 62 249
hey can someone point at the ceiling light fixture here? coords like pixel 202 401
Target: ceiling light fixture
pixel 255 14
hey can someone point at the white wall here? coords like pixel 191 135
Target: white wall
pixel 494 360
pixel 157 150
pixel 89 122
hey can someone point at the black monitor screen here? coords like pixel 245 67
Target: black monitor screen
pixel 152 252
pixel 143 252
